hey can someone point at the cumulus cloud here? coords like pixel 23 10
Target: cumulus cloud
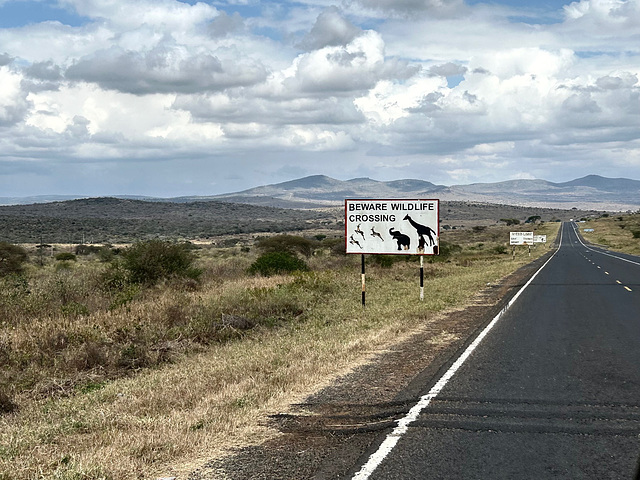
pixel 330 29
pixel 166 67
pixel 5 59
pixel 355 67
pixel 13 101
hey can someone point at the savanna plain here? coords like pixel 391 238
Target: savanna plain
pixel 146 360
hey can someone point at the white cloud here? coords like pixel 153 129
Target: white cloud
pixel 13 104
pixel 330 29
pixel 165 68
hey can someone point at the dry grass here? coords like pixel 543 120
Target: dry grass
pixel 169 419
pixel 617 232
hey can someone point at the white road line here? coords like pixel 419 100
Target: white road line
pixel 402 427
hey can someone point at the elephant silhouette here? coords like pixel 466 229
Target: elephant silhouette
pixel 403 240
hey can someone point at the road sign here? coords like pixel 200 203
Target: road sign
pixel 539 239
pixel 588 230
pixel 401 227
pixel 521 238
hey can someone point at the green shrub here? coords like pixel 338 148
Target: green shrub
pixel 149 262
pixel 636 233
pixel 66 256
pixel 12 258
pixel 500 249
pixel 273 263
pixel 447 249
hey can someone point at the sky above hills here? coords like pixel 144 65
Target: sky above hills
pixel 169 98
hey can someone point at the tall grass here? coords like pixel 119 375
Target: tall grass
pixel 172 377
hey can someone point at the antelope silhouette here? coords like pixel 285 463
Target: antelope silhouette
pixel 376 234
pixel 422 230
pixel 353 241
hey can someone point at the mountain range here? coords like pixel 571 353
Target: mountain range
pixel 591 192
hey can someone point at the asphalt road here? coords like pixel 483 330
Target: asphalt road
pixel 551 391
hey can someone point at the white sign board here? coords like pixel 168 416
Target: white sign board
pixel 402 227
pixel 539 239
pixel 521 238
pixel 588 230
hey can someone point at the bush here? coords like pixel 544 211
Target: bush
pixel 500 249
pixel 274 263
pixel 636 234
pixel 66 256
pixel 447 249
pixel 286 243
pixel 149 262
pixel 12 259
pixel 510 221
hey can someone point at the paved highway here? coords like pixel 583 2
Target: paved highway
pixel 550 390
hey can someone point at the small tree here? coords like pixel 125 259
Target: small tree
pixel 152 261
pixel 12 258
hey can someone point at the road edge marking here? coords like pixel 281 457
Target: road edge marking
pixel 402 427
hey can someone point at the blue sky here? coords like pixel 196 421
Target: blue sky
pixel 168 98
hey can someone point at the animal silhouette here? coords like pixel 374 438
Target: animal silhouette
pixel 421 244
pixel 353 241
pixel 403 240
pixel 376 234
pixel 360 231
pixel 422 230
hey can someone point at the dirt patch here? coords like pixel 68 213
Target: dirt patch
pixel 324 437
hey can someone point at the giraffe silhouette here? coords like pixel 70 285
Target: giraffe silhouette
pixel 422 230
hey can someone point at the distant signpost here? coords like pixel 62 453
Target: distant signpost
pixel 521 238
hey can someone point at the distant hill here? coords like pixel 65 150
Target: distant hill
pixel 588 193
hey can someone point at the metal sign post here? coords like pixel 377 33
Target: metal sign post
pixel 421 278
pixel 363 282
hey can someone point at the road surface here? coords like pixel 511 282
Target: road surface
pixel 552 390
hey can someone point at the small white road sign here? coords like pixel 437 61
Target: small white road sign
pixel 403 227
pixel 521 238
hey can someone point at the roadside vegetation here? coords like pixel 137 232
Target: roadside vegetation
pixel 620 232
pixel 148 360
